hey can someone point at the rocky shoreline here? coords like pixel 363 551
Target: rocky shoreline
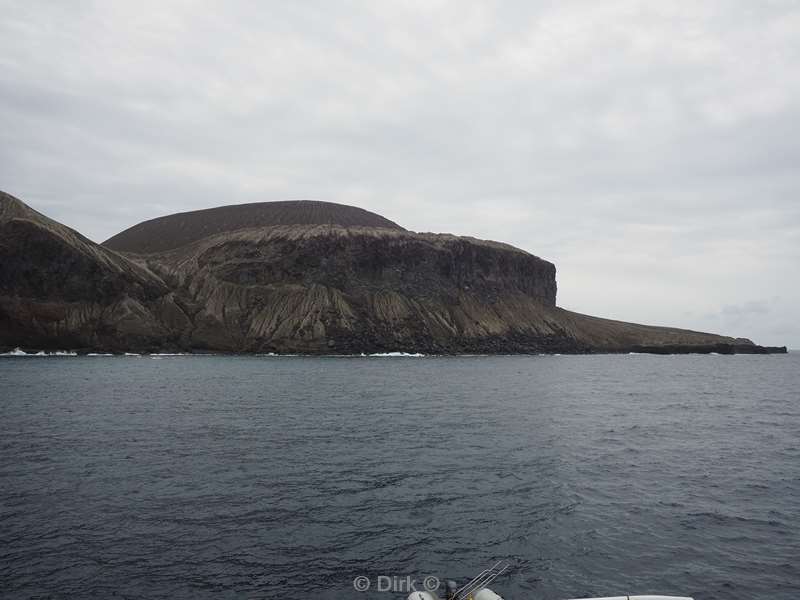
pixel 555 348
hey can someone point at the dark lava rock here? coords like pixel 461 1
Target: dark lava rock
pixel 309 277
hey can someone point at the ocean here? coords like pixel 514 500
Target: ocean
pixel 193 477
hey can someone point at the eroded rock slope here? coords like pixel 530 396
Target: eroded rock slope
pixel 303 276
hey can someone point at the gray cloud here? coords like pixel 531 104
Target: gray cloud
pixel 647 149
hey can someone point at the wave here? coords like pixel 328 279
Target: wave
pixel 20 352
pixel 392 354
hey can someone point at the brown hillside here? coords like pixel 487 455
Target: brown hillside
pixel 174 231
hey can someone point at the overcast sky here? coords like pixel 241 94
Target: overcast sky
pixel 651 150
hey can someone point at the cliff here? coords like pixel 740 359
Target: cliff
pixel 294 277
pixel 60 290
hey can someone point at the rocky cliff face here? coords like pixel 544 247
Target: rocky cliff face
pixel 60 290
pixel 294 277
pixel 352 289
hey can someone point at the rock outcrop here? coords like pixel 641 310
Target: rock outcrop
pixel 309 277
pixel 60 290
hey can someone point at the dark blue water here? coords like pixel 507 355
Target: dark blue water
pixel 226 477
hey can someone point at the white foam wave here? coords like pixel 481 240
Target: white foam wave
pixel 391 354
pixel 20 352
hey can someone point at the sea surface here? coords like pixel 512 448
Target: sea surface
pixel 193 477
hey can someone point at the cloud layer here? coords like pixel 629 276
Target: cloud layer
pixel 648 149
